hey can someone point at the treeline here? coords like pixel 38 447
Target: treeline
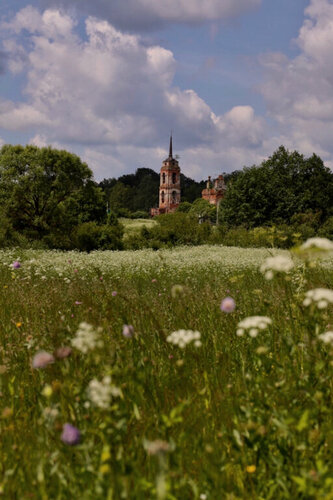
pixel 133 195
pixel 48 198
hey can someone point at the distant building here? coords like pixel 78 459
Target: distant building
pixel 169 196
pixel 214 192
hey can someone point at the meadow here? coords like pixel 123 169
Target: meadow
pixel 133 226
pixel 192 373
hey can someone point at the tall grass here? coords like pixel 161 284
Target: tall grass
pixel 238 417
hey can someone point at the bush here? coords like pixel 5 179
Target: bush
pixel 89 236
pixel 184 207
pixel 326 229
pixel 178 229
pixel 140 214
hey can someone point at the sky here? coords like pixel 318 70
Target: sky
pixel 109 79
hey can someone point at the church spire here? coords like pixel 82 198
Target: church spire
pixel 170 147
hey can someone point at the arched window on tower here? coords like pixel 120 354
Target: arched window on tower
pixel 174 197
pixel 162 197
pixel 163 178
pixel 174 178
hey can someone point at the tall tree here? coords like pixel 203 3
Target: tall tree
pixel 282 186
pixel 35 185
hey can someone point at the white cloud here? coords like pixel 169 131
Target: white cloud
pixel 299 92
pixel 150 14
pixel 113 97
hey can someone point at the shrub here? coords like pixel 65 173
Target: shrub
pixel 89 236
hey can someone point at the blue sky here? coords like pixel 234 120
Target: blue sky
pixel 233 79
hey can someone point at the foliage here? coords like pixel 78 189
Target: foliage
pixel 184 206
pixel 326 229
pixel 174 229
pixel 282 186
pixel 238 417
pixel 38 188
pixel 203 210
pixel 282 236
pixel 90 236
pixel 138 192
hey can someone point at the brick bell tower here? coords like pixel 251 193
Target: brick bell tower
pixel 169 198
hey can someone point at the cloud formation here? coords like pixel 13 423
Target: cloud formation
pixel 113 95
pixel 151 14
pixel 299 92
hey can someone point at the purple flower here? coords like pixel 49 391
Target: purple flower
pixel 16 264
pixel 228 305
pixel 128 331
pixel 114 294
pixel 70 435
pixel 63 352
pixel 78 303
pixel 42 359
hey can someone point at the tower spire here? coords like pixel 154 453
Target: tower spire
pixel 170 147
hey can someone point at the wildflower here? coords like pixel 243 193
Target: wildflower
pixel 321 297
pixel 50 413
pixel 16 264
pixel 251 469
pixel 70 435
pixel 86 338
pixel 42 359
pixel 101 393
pixel 253 324
pixel 114 294
pixel 128 331
pixel 18 324
pixel 228 305
pixel 47 391
pixel 184 337
pixel 63 352
pixel 78 303
pixel 104 469
pixel 326 337
pixel 317 244
pixel 154 280
pixel 277 264
pixel 176 291
pixel 156 447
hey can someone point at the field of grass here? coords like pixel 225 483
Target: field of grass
pixel 122 413
pixel 133 226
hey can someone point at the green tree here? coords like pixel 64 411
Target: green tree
pixel 35 186
pixel 203 210
pixel 184 206
pixel 120 197
pixel 282 186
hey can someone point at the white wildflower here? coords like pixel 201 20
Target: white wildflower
pixel 157 447
pixel 252 324
pixel 317 244
pixel 326 337
pixel 277 264
pixel 87 338
pixel 50 413
pixel 183 337
pixel 321 297
pixel 101 393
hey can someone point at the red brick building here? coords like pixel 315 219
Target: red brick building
pixel 214 192
pixel 169 197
